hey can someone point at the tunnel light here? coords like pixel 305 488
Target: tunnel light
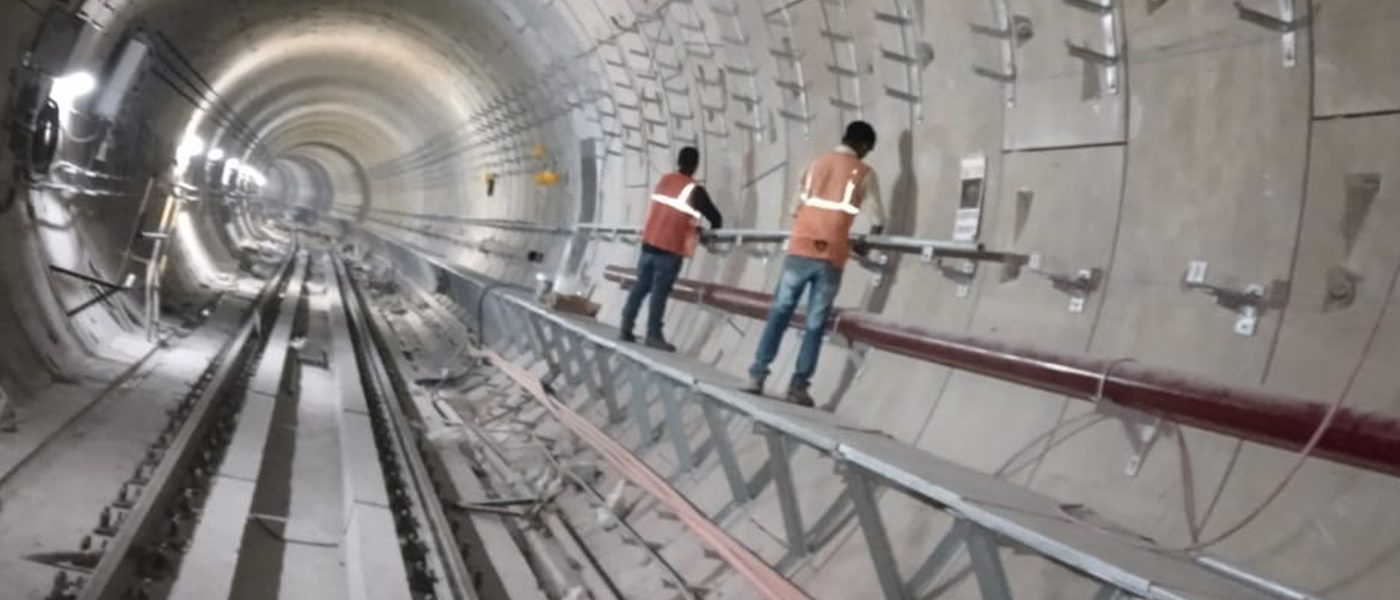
pixel 190 147
pixel 216 154
pixel 119 82
pixel 66 90
pixel 231 170
pixel 255 176
pixel 199 260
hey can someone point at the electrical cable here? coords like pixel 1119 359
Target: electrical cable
pixel 190 91
pixel 182 60
pixel 198 93
pixel 1087 420
pixel 1303 455
pixel 1219 489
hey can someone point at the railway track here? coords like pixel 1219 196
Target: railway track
pixel 310 461
pixel 288 471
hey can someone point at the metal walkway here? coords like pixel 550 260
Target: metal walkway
pixel 658 400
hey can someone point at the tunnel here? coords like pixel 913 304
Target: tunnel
pixel 308 299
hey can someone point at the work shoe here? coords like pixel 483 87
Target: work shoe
pixel 800 397
pixel 660 344
pixel 626 336
pixel 754 386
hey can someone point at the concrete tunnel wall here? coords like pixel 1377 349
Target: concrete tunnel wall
pixel 1201 142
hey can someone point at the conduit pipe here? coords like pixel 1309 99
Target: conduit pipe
pixel 1362 439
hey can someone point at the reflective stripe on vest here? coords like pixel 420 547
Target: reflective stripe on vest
pixel 681 203
pixel 844 205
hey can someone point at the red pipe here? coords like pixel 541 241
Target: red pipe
pixel 1362 439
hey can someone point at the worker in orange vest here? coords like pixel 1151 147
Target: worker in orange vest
pixel 670 235
pixel 837 187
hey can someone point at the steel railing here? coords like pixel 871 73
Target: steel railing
pixel 718 241
pixel 990 516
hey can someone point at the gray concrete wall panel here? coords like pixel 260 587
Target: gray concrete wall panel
pixel 1207 150
pixel 1071 81
pixel 1356 50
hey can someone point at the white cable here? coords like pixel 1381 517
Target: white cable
pixel 1303 455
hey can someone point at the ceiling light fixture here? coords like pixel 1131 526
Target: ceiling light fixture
pixel 66 90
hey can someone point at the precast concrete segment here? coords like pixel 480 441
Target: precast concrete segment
pixel 1367 440
pixel 180 457
pixel 438 564
pixel 317 511
pixel 374 570
pixel 209 565
pixel 95 452
pixel 62 405
pixel 243 459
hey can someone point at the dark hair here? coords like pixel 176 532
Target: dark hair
pixel 689 159
pixel 859 134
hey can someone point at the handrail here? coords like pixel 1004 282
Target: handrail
pixel 1367 440
pixel 986 515
pixel 721 240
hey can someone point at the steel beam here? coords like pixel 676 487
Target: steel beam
pixel 778 461
pixel 877 539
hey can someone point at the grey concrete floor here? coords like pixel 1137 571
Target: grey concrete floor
pixel 53 499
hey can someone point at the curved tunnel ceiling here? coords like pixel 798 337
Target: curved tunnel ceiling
pixel 1130 144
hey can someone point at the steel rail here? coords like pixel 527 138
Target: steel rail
pixel 1361 439
pixel 384 382
pixel 147 517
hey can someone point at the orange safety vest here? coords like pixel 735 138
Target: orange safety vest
pixel 671 220
pixel 831 197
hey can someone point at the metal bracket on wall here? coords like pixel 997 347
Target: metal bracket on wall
pixel 109 289
pixel 1142 429
pixel 876 263
pixel 1078 285
pixel 959 271
pixel 1108 58
pixel 754 249
pixel 1249 304
pixel 1286 23
pixel 1008 29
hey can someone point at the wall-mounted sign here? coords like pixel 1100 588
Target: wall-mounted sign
pixel 973 190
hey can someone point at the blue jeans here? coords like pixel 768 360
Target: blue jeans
pixel 798 273
pixel 656 273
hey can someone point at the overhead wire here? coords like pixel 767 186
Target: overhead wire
pixel 200 93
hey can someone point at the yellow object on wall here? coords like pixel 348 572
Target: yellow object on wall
pixel 546 177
